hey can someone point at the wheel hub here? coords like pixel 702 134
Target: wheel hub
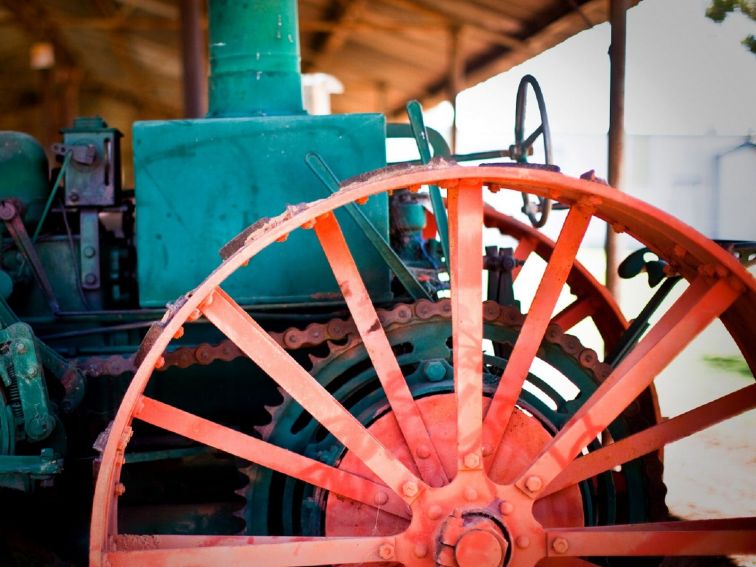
pixel 474 539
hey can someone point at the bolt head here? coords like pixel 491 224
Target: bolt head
pixel 90 279
pixel 560 545
pixel 522 542
pixel 472 460
pixel 386 551
pixel 409 489
pixel 471 494
pixel 506 508
pixel 421 550
pixel 533 483
pixel 423 451
pixel 434 512
pixel 434 370
pixel 120 489
pixel 380 498
pixel 20 348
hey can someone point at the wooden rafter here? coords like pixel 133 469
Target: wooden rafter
pixel 345 12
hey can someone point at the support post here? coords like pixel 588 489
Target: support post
pixel 193 59
pixel 617 49
pixel 456 78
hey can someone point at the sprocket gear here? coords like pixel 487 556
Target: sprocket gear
pixel 419 335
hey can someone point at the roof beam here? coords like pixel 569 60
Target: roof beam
pixel 346 12
pixel 500 59
pixel 34 18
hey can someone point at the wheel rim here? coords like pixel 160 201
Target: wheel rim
pixel 719 287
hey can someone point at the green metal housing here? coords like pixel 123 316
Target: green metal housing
pixel 200 182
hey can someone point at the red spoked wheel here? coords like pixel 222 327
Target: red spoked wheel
pixel 466 489
pixel 592 300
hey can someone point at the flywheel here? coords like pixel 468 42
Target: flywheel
pixel 467 471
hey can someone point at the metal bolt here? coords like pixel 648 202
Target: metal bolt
pixel 409 489
pixel 434 512
pixel 386 551
pixel 506 508
pixel 434 370
pixel 119 489
pixel 380 498
pixel 73 197
pixel 533 483
pixel 160 362
pixel 470 493
pixel 20 348
pixel 472 460
pixel 32 371
pixel 89 252
pixel 423 451
pixel 522 541
pixel 421 550
pixel 560 545
pixel 179 333
pixel 90 279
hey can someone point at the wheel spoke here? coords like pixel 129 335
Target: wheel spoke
pixel 256 550
pixel 265 454
pixel 654 438
pixel 466 243
pixel 580 309
pixel 261 348
pixel 525 247
pixel 701 537
pixel 699 305
pixel 534 328
pixel 376 343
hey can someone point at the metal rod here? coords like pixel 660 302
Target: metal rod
pixel 193 59
pixel 617 49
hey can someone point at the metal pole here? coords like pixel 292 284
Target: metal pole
pixel 456 78
pixel 617 49
pixel 193 59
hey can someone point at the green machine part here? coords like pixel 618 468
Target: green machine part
pixel 200 182
pixel 24 173
pixel 23 379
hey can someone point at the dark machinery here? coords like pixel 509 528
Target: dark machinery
pixel 340 388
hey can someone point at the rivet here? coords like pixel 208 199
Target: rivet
pixel 506 508
pixel 522 541
pixel 90 279
pixel 423 451
pixel 470 493
pixel 409 489
pixel 386 551
pixel 160 362
pixel 89 252
pixel 486 450
pixel 179 333
pixel 533 483
pixel 380 498
pixel 20 348
pixel 472 460
pixel 560 545
pixel 434 512
pixel 119 489
pixel 421 550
